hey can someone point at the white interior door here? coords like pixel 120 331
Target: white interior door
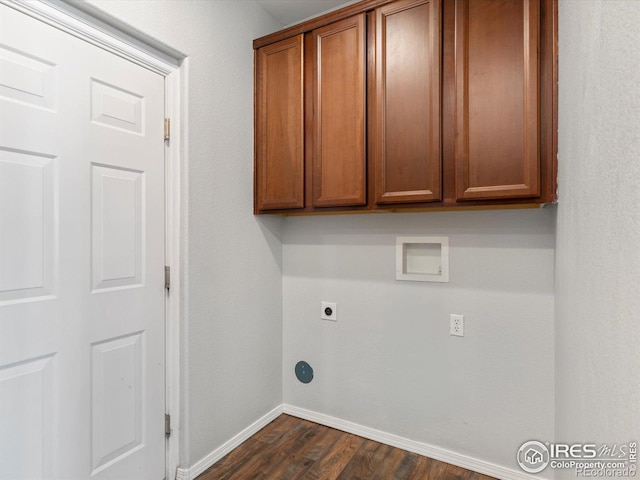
pixel 82 366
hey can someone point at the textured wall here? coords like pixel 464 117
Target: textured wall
pixel 233 328
pixel 389 362
pixel 598 227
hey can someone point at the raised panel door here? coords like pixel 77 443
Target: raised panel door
pixel 406 109
pixel 279 174
pixel 82 325
pixel 338 87
pixel 497 115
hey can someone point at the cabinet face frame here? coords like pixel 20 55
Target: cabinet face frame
pixel 486 161
pixel 338 151
pixel 279 126
pixel 396 158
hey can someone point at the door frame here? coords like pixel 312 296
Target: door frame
pixel 90 24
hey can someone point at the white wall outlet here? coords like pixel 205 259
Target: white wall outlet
pixel 456 325
pixel 329 311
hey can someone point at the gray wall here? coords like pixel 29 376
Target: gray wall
pixel 389 362
pixel 232 346
pixel 598 228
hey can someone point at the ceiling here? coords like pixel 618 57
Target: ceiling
pixel 289 12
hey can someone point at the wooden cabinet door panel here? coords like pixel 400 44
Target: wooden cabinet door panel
pixel 339 95
pixel 279 125
pixel 406 124
pixel 497 151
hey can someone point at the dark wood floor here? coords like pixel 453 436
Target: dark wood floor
pixel 290 448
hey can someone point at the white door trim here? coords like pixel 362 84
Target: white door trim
pixel 100 32
pixel 105 33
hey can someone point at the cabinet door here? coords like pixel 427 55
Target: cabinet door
pixel 279 167
pixel 497 151
pixel 339 99
pixel 406 111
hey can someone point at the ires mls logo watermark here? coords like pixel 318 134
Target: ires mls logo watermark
pixel 586 459
pixel 533 456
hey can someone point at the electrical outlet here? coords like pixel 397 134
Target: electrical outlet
pixel 456 325
pixel 329 311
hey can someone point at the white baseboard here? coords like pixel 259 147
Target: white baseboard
pixel 200 466
pixel 182 474
pixel 420 448
pixel 425 449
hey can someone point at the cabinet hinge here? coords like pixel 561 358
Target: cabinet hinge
pixel 167 424
pixel 167 128
pixel 167 277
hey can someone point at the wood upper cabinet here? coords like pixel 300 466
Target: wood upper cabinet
pixel 337 86
pixel 497 98
pixel 405 85
pixel 279 126
pixel 409 104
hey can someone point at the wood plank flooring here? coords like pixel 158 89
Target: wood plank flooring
pixel 290 448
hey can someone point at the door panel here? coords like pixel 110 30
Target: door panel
pixel 117 225
pixel 116 394
pixel 497 149
pixel 26 417
pixel 116 107
pixel 406 110
pixel 27 252
pixel 339 93
pixel 81 259
pixel 26 78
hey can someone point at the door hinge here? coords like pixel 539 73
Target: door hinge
pixel 167 424
pixel 167 277
pixel 167 128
